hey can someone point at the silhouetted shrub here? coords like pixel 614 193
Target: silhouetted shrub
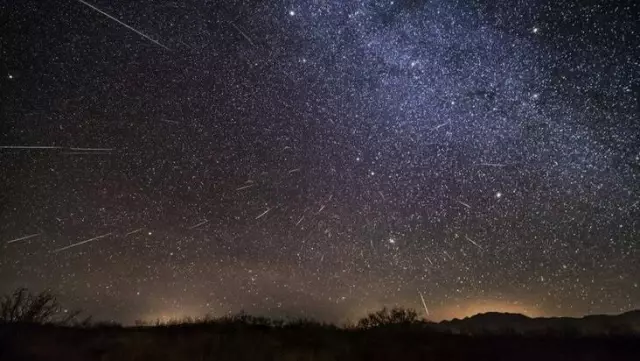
pixel 26 307
pixel 385 317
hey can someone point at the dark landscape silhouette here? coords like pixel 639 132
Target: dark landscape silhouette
pixel 36 327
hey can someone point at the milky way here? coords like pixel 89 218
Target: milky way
pixel 321 158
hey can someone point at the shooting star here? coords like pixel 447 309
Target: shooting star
pixel 199 224
pixel 426 310
pixel 246 187
pixel 430 261
pixel 28 147
pixel 263 213
pixel 299 220
pixel 294 170
pixel 439 126
pixel 123 24
pixel 92 149
pixel 463 203
pixel 497 165
pixel 473 242
pixel 134 231
pixel 500 249
pixel 79 243
pixel 86 153
pixel 242 32
pixel 321 208
pixel 23 238
pixel 382 195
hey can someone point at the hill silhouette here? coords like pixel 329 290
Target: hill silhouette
pixel 496 322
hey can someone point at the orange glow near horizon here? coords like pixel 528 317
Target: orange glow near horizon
pixel 456 309
pixel 475 307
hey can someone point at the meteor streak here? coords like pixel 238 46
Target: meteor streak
pixel 123 24
pixel 23 238
pixel 79 243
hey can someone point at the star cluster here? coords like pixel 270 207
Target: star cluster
pixel 321 158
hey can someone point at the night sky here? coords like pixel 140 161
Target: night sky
pixel 321 158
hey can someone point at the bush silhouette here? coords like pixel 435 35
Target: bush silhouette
pixel 26 307
pixel 389 317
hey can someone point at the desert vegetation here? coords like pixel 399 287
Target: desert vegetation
pixel 36 327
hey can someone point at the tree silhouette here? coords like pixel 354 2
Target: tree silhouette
pixel 385 317
pixel 27 307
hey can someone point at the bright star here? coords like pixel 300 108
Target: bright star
pixel 535 30
pixel 292 13
pixel 498 195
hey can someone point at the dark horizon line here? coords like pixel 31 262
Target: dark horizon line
pixel 188 319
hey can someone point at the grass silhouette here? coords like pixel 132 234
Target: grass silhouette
pixel 388 334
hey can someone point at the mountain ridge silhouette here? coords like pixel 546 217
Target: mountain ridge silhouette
pixel 623 323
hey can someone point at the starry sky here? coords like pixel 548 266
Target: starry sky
pixel 321 159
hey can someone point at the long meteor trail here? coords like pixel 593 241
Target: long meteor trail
pixel 83 242
pixel 92 149
pixel 123 24
pixel 424 304
pixel 28 147
pixel 23 238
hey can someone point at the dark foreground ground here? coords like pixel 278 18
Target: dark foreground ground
pixel 301 342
